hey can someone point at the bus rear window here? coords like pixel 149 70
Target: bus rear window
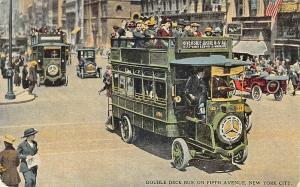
pixel 51 53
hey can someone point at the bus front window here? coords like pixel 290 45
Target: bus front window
pixel 51 53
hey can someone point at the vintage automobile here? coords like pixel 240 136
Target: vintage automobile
pixel 87 66
pixel 257 84
pixel 149 94
pixel 50 52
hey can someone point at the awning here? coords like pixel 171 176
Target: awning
pixel 254 48
pixel 75 30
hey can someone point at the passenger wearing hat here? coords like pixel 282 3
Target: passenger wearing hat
pixel 9 159
pixel 194 30
pixel 27 149
pixel 208 32
pixel 138 36
pixel 150 31
pixel 178 32
pixel 196 90
pixel 187 28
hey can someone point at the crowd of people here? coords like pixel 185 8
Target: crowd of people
pixel 159 28
pixel 278 67
pixel 27 77
pixel 46 30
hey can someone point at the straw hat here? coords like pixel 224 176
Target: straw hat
pixel 195 24
pixel 151 21
pixel 208 29
pixel 8 138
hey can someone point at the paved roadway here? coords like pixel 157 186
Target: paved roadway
pixel 76 150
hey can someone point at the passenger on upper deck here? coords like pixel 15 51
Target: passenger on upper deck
pixel 178 32
pixel 208 32
pixel 165 30
pixel 194 30
pixel 130 29
pixel 138 35
pixel 187 28
pixel 150 30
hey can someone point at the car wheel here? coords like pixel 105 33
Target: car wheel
pixel 241 156
pixel 180 154
pixel 128 131
pixel 81 73
pixel 248 122
pixel 278 95
pixel 256 93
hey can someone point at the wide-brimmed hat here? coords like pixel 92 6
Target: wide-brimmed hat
pixel 180 22
pixel 208 29
pixel 195 24
pixel 29 132
pixel 8 138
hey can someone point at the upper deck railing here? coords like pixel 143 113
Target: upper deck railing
pixel 39 38
pixel 160 51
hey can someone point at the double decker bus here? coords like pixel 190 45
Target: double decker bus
pixel 150 93
pixel 50 51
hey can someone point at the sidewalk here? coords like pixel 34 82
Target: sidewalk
pixel 22 95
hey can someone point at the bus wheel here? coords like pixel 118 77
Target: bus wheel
pixel 241 156
pixel 180 154
pixel 127 130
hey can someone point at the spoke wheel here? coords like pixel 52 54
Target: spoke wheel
pixel 256 93
pixel 127 130
pixel 248 122
pixel 241 156
pixel 180 154
pixel 278 95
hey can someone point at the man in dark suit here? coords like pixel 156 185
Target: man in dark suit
pixel 196 90
pixel 27 149
pixel 138 36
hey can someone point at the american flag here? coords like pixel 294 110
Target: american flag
pixel 273 8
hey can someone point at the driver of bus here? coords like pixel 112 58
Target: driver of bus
pixel 196 91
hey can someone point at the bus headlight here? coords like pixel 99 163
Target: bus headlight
pixel 52 70
pixel 230 129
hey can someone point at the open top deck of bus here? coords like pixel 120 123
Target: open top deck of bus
pixel 161 51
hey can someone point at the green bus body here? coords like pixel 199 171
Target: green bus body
pixel 133 67
pixel 40 45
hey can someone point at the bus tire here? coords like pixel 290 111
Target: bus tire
pixel 128 131
pixel 180 154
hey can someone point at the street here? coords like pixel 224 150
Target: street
pixel 77 150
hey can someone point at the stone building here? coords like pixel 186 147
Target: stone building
pixel 255 29
pixel 101 15
pixel 206 12
pixel 287 39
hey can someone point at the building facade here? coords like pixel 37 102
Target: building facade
pixel 287 40
pixel 206 12
pixel 101 15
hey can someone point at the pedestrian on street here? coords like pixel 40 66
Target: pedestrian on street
pixel 293 76
pixel 32 78
pixel 9 159
pixel 107 80
pixel 27 149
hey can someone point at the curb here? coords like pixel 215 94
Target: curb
pixel 18 102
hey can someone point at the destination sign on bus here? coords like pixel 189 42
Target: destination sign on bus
pixel 51 38
pixel 203 44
